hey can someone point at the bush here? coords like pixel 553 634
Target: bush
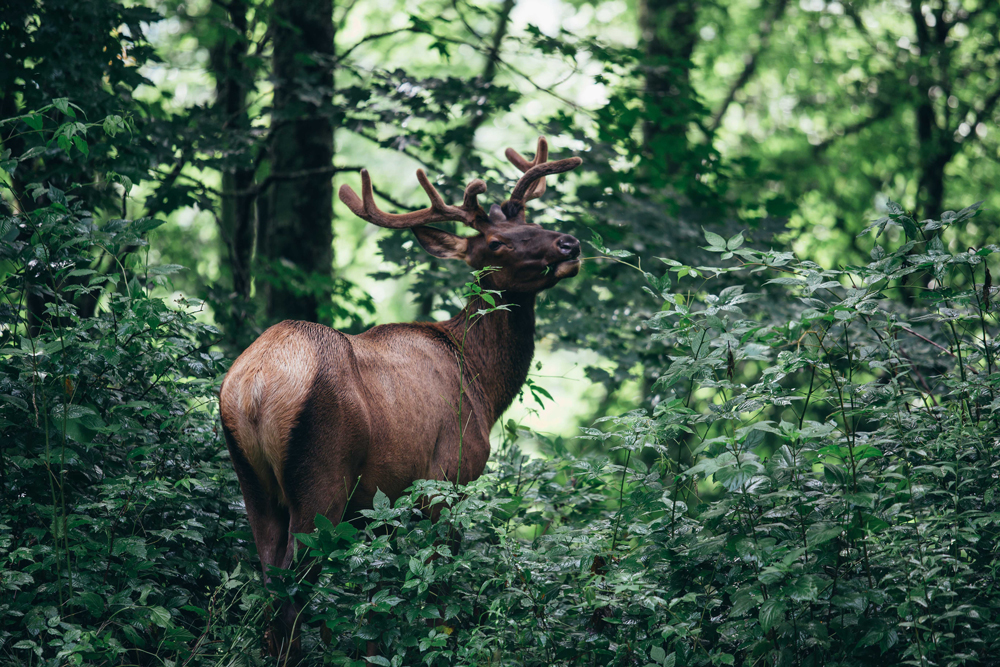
pixel 816 485
pixel 121 539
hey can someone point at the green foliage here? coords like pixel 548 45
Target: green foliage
pixel 121 538
pixel 812 480
pixel 814 484
pixel 811 488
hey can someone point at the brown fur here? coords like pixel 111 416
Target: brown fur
pixel 317 421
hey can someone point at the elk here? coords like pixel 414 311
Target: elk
pixel 316 421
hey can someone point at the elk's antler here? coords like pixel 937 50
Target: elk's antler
pixel 541 156
pixel 532 183
pixel 521 190
pixel 364 207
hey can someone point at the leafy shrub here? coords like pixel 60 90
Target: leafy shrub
pixel 816 485
pixel 121 540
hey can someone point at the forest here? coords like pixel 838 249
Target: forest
pixel 759 427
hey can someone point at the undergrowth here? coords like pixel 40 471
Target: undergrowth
pixel 815 482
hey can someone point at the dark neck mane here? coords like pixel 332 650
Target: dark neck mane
pixel 498 348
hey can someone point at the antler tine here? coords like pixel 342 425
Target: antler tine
pixel 541 156
pixel 523 187
pixel 470 201
pixel 364 207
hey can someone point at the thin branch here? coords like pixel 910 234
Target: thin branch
pixel 461 17
pixel 361 133
pixel 859 23
pixel 395 202
pixel 988 106
pixel 257 188
pixel 570 103
pixel 380 35
pixel 751 63
pixel 940 347
pixel 173 363
pixel 168 181
pixel 489 73
pixel 347 12
pixel 884 111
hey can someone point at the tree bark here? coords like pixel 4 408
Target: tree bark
pixel 295 217
pixel 935 144
pixel 668 31
pixel 233 81
pixel 934 157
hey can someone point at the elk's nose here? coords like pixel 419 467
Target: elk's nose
pixel 568 245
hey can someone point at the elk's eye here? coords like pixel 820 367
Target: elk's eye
pixel 495 245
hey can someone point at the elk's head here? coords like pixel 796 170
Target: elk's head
pixel 527 257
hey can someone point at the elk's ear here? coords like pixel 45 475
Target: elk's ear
pixel 441 243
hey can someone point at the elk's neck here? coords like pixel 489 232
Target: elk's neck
pixel 498 348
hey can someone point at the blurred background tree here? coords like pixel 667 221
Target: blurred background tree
pixel 796 121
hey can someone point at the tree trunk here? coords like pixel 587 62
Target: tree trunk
pixel 936 145
pixel 668 31
pixel 233 81
pixel 935 155
pixel 295 217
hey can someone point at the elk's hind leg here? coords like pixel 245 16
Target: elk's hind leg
pixel 316 477
pixel 269 523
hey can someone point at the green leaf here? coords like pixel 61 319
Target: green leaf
pixel 132 636
pixel 81 144
pixel 113 125
pixel 803 589
pixel 598 243
pixel 540 390
pixel 822 533
pixel 716 242
pixel 772 612
pixel 70 411
pixel 62 104
pixel 159 616
pixel 323 524
pixel 166 269
pixel 19 403
pixel 32 152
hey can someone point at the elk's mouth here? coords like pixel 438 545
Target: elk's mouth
pixel 565 268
